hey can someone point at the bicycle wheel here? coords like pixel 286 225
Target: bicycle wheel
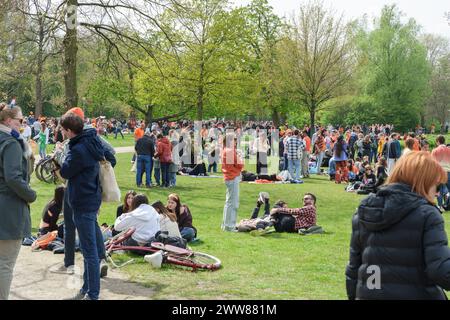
pixel 197 260
pixel 37 170
pixel 47 168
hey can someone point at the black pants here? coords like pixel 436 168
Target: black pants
pixel 165 174
pixel 284 223
pixel 256 211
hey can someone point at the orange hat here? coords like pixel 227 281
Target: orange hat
pixel 78 111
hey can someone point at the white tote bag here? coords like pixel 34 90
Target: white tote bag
pixel 110 188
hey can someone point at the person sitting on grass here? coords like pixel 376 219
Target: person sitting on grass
pixel 51 212
pixel 167 220
pixel 184 217
pixel 127 203
pixel 294 219
pixel 143 217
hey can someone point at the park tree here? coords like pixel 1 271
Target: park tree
pixel 438 54
pixel 317 57
pixel 397 72
pixel 205 61
pixel 263 31
pixel 439 100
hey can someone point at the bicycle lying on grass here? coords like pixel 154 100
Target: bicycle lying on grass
pixel 160 253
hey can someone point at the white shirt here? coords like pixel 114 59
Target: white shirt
pixel 144 218
pixel 170 226
pixel 26 134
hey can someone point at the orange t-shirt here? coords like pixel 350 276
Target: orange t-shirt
pixel 232 165
pixel 307 143
pixel 138 133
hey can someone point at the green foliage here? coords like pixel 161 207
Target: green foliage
pixel 396 71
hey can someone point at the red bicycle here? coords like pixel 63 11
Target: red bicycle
pixel 160 253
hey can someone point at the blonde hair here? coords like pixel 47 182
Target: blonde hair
pixel 8 113
pixel 420 171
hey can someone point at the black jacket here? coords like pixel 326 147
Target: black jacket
pixel 145 146
pixel 401 233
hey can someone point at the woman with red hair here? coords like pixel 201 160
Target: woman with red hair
pixel 399 247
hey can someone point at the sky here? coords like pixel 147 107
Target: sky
pixel 430 14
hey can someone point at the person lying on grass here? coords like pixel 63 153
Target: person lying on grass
pixel 256 223
pixel 293 219
pixel 143 217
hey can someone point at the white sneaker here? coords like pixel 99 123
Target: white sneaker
pixel 263 196
pixel 62 269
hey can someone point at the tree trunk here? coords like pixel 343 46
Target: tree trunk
pixel 200 94
pixel 70 56
pixel 422 119
pixel 149 115
pixel 312 115
pixel 275 118
pixel 39 68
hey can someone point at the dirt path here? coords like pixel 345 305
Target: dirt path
pixel 33 280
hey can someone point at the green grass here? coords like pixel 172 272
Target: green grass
pixel 277 266
pixel 119 142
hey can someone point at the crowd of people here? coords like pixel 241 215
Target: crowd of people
pixel 402 187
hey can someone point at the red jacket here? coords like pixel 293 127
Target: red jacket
pixel 164 149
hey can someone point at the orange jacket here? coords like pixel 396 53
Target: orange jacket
pixel 232 165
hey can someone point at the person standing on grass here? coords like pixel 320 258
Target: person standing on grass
pixel 15 194
pixel 145 150
pixel 399 247
pixel 164 153
pixel 392 151
pixel 442 155
pixel 320 148
pixel 81 168
pixel 305 154
pixel 232 165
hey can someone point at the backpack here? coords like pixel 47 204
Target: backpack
pixel 163 237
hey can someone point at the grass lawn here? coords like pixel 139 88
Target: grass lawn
pixel 278 266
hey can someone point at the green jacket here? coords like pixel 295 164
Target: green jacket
pixel 15 191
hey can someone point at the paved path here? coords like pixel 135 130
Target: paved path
pixel 124 149
pixel 33 280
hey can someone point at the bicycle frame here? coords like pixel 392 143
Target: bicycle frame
pixel 171 254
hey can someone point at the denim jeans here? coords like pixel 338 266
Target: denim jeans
pixel 117 131
pixel 294 164
pixel 157 175
pixel 93 248
pixel 304 162
pixel 319 161
pixel 173 179
pixel 212 166
pixel 165 174
pixel 144 163
pixel 69 233
pixel 286 162
pixel 231 204
pixel 443 189
pixel 188 234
